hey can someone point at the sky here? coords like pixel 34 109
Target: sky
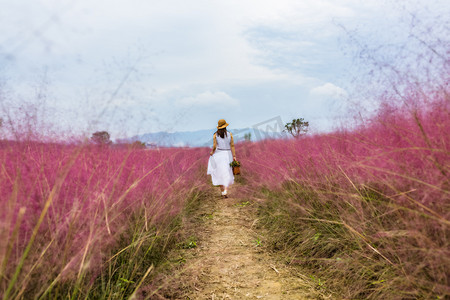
pixel 132 67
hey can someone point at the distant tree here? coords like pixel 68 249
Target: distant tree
pixel 297 127
pixel 248 137
pixel 101 138
pixel 138 144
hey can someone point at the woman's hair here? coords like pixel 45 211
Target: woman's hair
pixel 222 132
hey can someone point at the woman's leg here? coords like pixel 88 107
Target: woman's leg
pixel 224 191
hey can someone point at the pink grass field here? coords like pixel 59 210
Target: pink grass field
pixel 386 183
pixel 397 149
pixel 70 204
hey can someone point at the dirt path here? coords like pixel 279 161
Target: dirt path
pixel 230 262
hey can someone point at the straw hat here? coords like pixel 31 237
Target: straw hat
pixel 222 124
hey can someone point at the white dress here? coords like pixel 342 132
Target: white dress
pixel 219 163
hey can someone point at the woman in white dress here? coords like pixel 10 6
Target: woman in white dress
pixel 222 154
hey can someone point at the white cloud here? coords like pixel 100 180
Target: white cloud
pixel 209 98
pixel 192 51
pixel 328 90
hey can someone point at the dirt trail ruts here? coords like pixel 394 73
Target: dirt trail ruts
pixel 230 262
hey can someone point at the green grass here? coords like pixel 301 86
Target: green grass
pixel 243 204
pixel 313 231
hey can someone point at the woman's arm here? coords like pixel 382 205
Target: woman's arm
pixel 214 145
pixel 232 147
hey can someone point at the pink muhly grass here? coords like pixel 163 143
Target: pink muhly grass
pixel 386 183
pixel 99 188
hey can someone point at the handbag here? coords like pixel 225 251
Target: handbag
pixel 236 167
pixel 236 170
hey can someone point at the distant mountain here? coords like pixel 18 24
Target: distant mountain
pixel 199 138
